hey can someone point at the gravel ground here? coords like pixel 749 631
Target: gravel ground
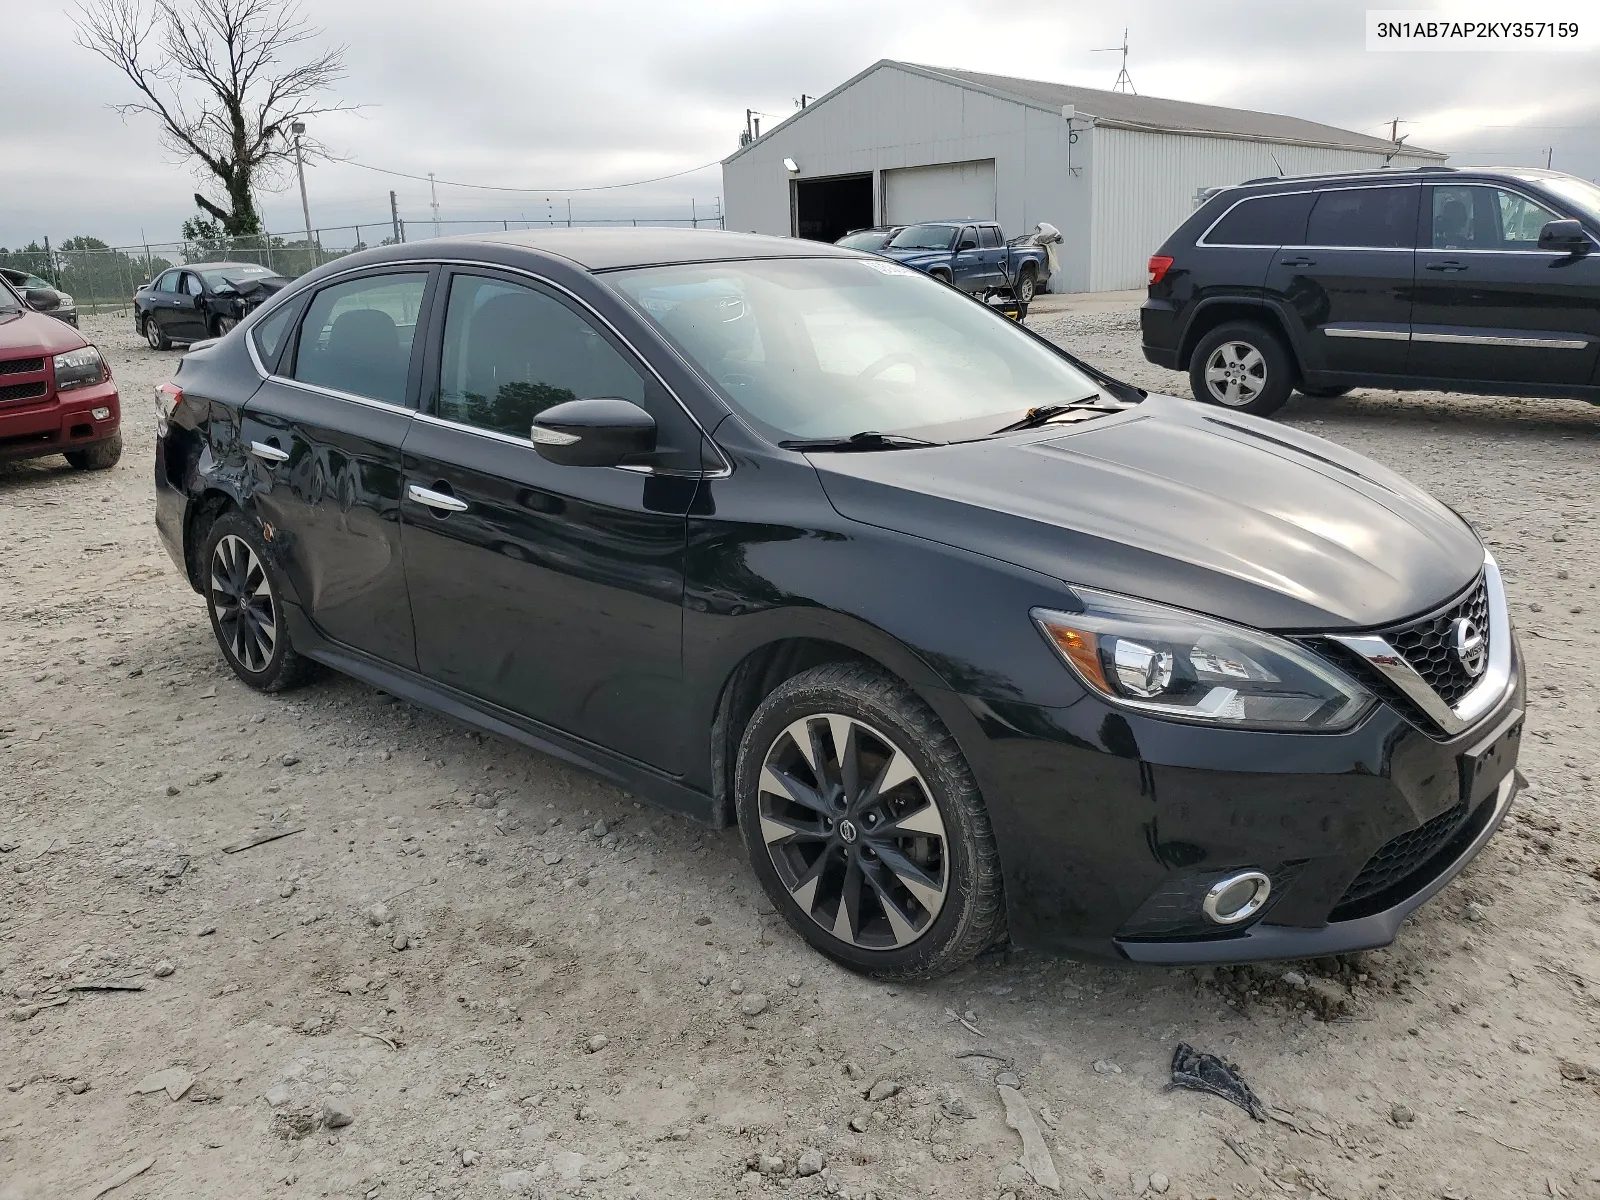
pixel 470 971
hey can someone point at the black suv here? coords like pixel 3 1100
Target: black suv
pixel 1461 280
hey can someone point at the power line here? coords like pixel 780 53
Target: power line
pixel 488 187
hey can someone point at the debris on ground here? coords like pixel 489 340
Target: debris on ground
pixel 1035 1154
pixel 1208 1073
pixel 175 1081
pixel 260 839
pixel 131 1171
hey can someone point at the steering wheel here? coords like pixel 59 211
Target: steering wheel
pixel 879 365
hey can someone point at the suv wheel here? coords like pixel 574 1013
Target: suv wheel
pixel 153 335
pixel 242 593
pixel 1243 366
pixel 101 456
pixel 865 827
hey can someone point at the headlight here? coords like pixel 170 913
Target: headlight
pixel 65 301
pixel 79 368
pixel 1171 663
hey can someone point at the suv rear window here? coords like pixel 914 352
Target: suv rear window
pixel 1378 218
pixel 1264 221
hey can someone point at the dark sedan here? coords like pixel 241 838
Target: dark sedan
pixel 780 533
pixel 873 239
pixel 203 300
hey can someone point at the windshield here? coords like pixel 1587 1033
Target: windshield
pixel 8 298
pixel 1579 193
pixel 233 275
pixel 870 239
pixel 829 347
pixel 924 237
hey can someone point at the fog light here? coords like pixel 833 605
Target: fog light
pixel 1237 897
pixel 100 414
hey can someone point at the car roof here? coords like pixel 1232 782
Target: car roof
pixel 610 249
pixel 212 266
pixel 1406 174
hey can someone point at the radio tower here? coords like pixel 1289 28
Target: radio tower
pixel 1124 80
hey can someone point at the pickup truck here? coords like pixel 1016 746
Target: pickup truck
pixel 971 255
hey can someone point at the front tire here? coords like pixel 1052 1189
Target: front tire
pixel 1243 366
pixel 154 336
pixel 101 456
pixel 220 326
pixel 242 591
pixel 865 826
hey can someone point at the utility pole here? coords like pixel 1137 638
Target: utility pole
pixel 1549 154
pixel 1124 80
pixel 804 98
pixel 297 129
pixel 434 191
pixel 394 215
pixel 749 115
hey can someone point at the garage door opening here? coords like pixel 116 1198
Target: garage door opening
pixel 827 209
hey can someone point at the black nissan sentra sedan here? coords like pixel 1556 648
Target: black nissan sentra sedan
pixel 971 640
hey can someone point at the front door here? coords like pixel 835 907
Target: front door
pixel 1349 283
pixel 188 316
pixel 167 298
pixel 1492 306
pixel 554 592
pixel 323 440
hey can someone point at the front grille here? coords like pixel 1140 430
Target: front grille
pixel 1425 644
pixel 21 366
pixel 23 391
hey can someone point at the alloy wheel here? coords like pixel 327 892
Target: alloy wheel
pixel 853 831
pixel 245 607
pixel 1236 373
pixel 152 333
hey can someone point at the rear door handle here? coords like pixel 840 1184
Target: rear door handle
pixel 438 501
pixel 1446 266
pixel 1300 261
pixel 268 452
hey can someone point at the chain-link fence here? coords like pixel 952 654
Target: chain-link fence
pixel 104 279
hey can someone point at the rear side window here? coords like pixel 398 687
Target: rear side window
pixel 1264 221
pixel 269 332
pixel 988 237
pixel 357 336
pixel 1375 218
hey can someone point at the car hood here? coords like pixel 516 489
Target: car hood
pixel 907 256
pixel 29 332
pixel 1184 504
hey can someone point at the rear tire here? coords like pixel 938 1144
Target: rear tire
pixel 152 334
pixel 243 597
pixel 1320 393
pixel 101 456
pixel 1243 366
pixel 902 882
pixel 1027 285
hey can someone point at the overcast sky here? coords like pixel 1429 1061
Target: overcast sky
pixel 546 94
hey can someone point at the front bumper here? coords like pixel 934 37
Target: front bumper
pixel 59 421
pixel 1111 826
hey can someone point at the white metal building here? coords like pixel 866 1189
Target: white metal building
pixel 1114 172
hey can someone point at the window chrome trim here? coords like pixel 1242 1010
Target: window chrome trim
pixel 1484 339
pixel 336 394
pixel 1485 694
pixel 1376 335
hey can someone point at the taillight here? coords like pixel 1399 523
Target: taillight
pixel 1160 264
pixel 168 396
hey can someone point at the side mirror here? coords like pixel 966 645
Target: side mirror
pixel 966 244
pixel 42 299
pixel 602 432
pixel 1564 237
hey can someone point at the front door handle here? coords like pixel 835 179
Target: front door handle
pixel 1446 266
pixel 268 452
pixel 438 501
pixel 1300 261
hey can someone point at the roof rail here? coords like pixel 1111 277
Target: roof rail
pixel 1431 169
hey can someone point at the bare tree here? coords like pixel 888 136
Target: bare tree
pixel 217 75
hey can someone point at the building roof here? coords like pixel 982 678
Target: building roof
pixel 1124 110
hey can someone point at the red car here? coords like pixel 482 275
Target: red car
pixel 56 392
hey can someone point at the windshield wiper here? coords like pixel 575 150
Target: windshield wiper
pixel 1046 413
pixel 869 439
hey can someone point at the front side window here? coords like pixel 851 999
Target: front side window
pixel 1486 218
pixel 1264 221
pixel 357 336
pixel 821 348
pixel 1371 218
pixel 924 237
pixel 168 282
pixel 511 352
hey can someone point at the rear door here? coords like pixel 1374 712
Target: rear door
pixel 555 592
pixel 1491 306
pixel 322 437
pixel 1348 282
